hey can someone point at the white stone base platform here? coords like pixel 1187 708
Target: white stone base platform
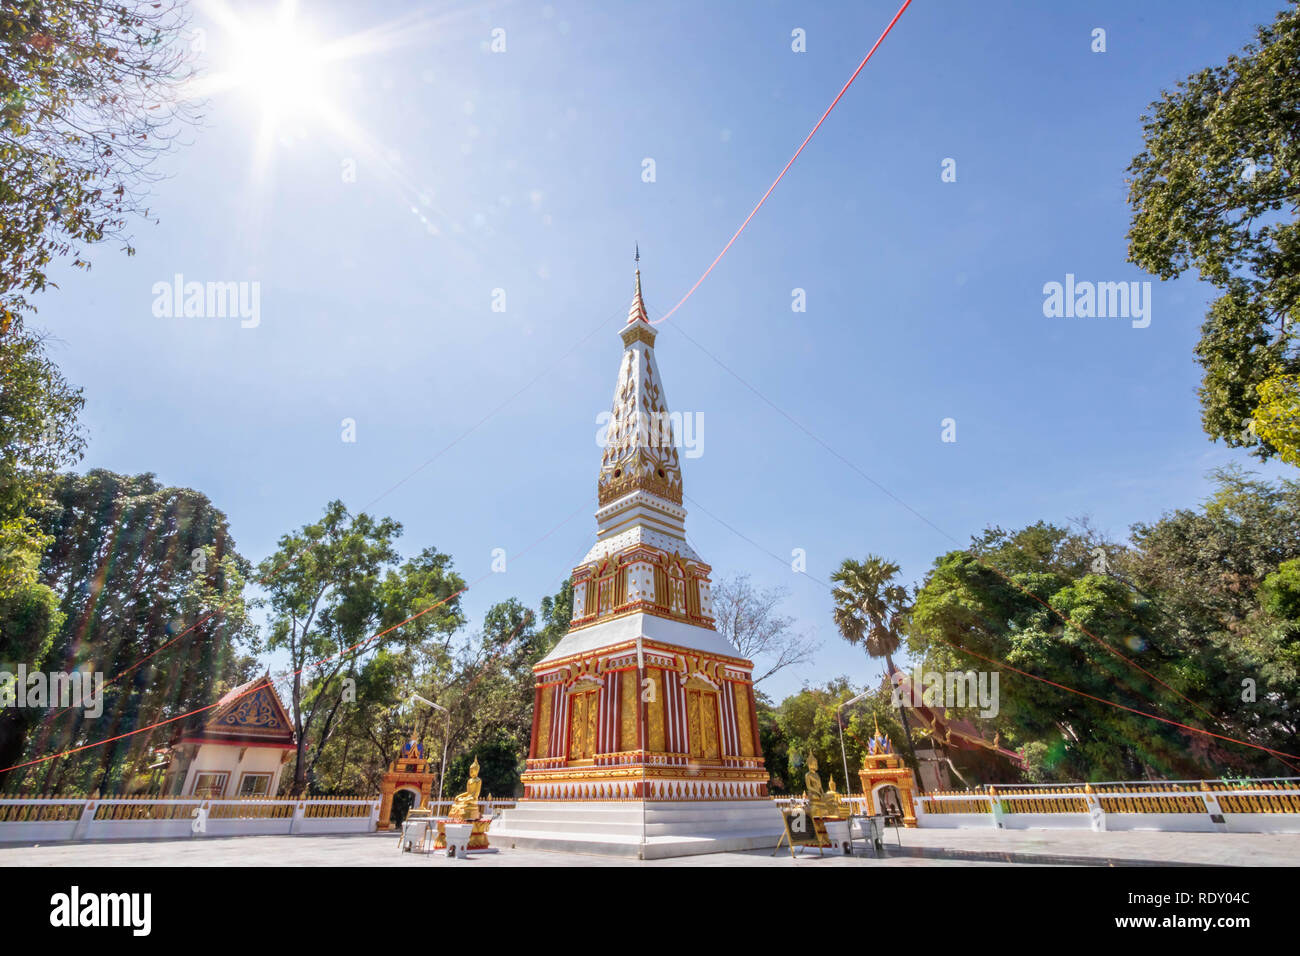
pixel 647 830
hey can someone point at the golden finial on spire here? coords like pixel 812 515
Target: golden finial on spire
pixel 636 313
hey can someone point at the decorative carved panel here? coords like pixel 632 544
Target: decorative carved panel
pixel 631 702
pixel 655 713
pixel 544 722
pixel 743 720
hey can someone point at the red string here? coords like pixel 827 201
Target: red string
pixel 841 93
pixel 1133 710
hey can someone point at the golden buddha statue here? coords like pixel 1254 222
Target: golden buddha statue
pixel 465 806
pixel 819 803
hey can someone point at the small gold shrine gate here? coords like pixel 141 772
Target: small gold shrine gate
pixel 410 771
pixel 881 768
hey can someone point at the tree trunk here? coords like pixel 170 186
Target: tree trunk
pixel 907 730
pixel 343 765
pixel 299 769
pixel 13 738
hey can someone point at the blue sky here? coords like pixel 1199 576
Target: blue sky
pixel 522 171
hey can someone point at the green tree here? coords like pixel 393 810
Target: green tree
pixel 498 760
pixel 150 591
pixel 870 609
pixel 90 95
pixel 557 612
pixel 1150 635
pixel 1280 591
pixel 485 679
pixel 965 605
pixel 1279 596
pixel 1210 571
pixel 809 723
pixel 338 596
pixel 775 745
pixel 1206 564
pixel 493 690
pixel 1277 417
pixel 1217 188
pixel 369 730
pixel 38 435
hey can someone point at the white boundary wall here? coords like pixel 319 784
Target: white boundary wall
pixel 50 820
pixel 1271 806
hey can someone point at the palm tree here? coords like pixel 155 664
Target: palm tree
pixel 870 607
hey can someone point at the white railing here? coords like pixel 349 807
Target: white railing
pixel 1256 806
pixel 124 818
pixel 129 818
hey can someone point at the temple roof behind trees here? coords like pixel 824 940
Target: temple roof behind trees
pixel 951 731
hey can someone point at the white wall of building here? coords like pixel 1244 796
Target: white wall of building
pixel 235 760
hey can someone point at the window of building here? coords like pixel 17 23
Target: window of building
pixel 254 785
pixel 210 785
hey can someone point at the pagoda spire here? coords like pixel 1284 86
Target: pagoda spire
pixel 636 311
pixel 643 597
pixel 639 450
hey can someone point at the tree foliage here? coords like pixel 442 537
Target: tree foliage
pixel 1277 417
pixel 485 681
pixel 871 609
pixel 1170 626
pixel 964 605
pixel 338 592
pixel 149 587
pixel 1217 189
pixel 491 691
pixel 38 435
pixel 870 606
pixel 808 724
pixel 748 618
pixel 90 94
pixel 498 759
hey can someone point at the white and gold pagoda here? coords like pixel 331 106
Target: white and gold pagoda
pixel 645 735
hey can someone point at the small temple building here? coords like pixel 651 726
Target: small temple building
pixel 644 717
pixel 239 750
pixel 887 782
pixel 409 775
pixel 988 758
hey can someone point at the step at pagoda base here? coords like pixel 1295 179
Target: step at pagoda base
pixel 616 827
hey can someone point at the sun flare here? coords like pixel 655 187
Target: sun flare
pixel 286 73
pixel 279 67
pixel 273 60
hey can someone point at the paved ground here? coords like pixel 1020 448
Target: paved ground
pixel 919 848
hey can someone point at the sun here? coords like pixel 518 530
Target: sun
pixel 277 63
pixel 273 60
pixel 285 73
pixel 279 68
